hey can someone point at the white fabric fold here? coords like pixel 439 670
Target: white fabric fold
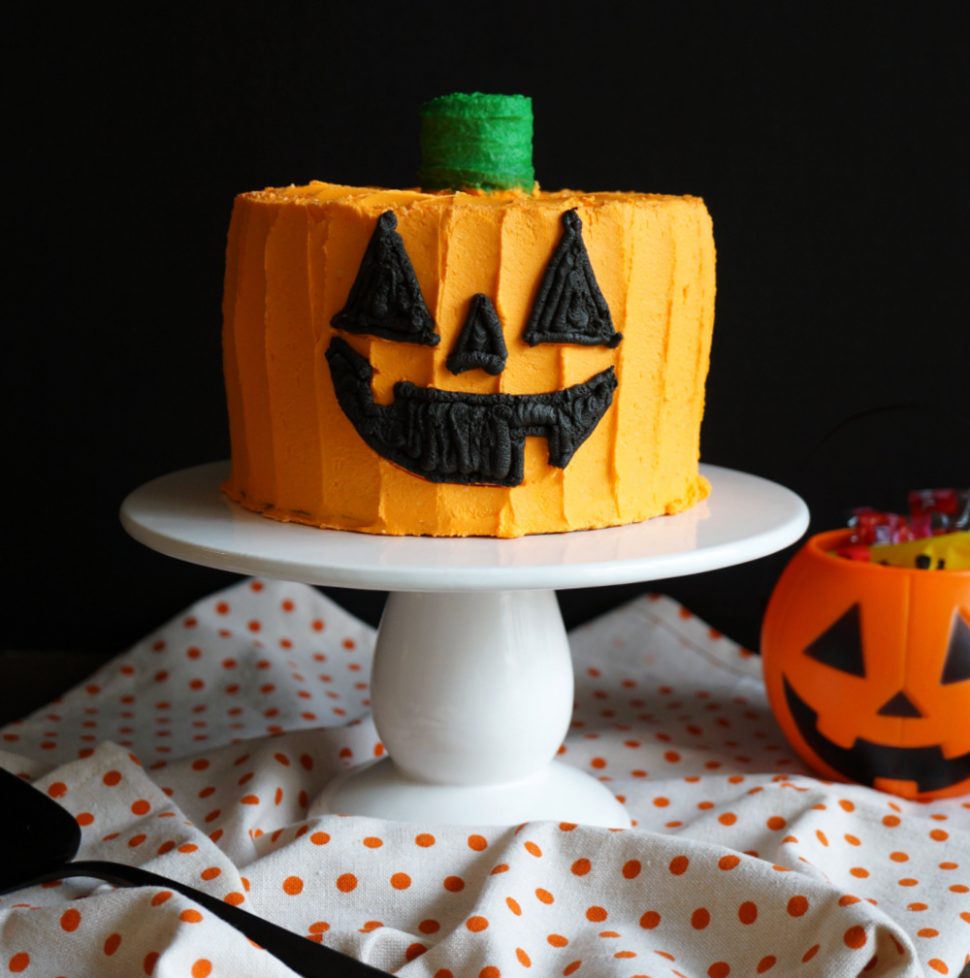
pixel 198 754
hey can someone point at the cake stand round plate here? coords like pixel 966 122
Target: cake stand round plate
pixel 184 515
pixel 470 632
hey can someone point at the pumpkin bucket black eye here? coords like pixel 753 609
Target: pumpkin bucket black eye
pixel 840 645
pixel 957 666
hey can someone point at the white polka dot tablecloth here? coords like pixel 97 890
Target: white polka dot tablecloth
pixel 199 754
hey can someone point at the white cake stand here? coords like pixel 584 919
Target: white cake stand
pixel 472 686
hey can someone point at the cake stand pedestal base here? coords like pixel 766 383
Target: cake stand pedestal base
pixel 557 793
pixel 472 695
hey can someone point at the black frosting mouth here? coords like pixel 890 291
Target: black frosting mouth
pixel 454 436
pixel 866 761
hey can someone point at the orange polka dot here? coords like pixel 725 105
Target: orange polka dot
pixel 234 898
pixel 202 968
pixel 899 857
pixel 700 918
pixel 766 963
pixel 112 943
pixel 631 869
pixel 84 818
pixel 728 862
pixel 211 873
pixel 293 885
pixel 661 802
pixel 424 839
pixel 890 821
pixel 400 881
pixel 148 965
pixel 855 937
pixel 320 838
pixel 748 912
pixel 727 818
pixel 557 940
pixel 678 865
pixel 847 900
pixel 650 920
pixel 414 950
pixel 346 882
pixel 852 839
pixel 159 898
pixel 573 967
pixel 524 958
pixel 581 867
pixel 938 835
pixel 190 916
pixel 477 842
pixel 797 906
pixel 513 905
pixel 429 926
pixel 596 914
pixel 544 896
pixel 57 790
pixel 111 778
pixel 720 969
pixel 453 884
pixel 776 823
pixel 372 842
pixel 909 881
pixel 928 932
pixel 477 924
pixel 490 971
pixel 19 962
pixel 860 872
pixel 846 805
pixel 70 920
pixel 533 849
pixel 939 966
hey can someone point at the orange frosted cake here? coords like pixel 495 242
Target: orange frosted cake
pixel 482 361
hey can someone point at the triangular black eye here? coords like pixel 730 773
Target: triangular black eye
pixel 570 307
pixel 480 343
pixel 957 667
pixel 840 645
pixel 385 299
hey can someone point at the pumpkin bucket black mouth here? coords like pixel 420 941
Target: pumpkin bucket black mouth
pixel 459 437
pixel 867 762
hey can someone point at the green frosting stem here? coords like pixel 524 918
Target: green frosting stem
pixel 476 140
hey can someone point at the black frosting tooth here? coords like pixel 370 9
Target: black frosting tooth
pixel 454 436
pixel 385 299
pixel 570 308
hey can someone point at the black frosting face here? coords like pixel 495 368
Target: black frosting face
pixel 452 436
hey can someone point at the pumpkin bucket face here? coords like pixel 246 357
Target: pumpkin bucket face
pixel 868 670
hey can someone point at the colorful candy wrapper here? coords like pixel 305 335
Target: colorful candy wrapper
pixel 950 551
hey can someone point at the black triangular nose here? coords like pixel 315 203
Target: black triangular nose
pixel 899 706
pixel 480 344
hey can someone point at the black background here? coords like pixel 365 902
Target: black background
pixel 832 153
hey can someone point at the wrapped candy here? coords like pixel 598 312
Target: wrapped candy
pixel 933 536
pixel 949 551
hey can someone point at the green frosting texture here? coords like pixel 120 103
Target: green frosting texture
pixel 476 140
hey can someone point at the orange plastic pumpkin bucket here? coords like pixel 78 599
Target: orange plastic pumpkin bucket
pixel 868 670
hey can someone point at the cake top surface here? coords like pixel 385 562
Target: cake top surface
pixel 376 200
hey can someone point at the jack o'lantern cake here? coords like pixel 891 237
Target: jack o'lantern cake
pixel 491 360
